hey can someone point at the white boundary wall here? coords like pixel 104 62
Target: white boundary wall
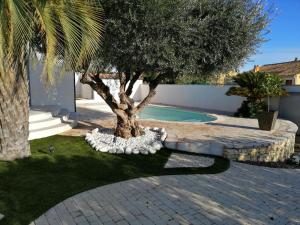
pixel 206 97
pixel 85 91
pixel 61 94
pixel 213 98
pixel 196 96
pixel 289 107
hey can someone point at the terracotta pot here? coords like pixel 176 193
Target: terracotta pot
pixel 267 120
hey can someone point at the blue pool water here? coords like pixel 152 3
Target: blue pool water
pixel 174 114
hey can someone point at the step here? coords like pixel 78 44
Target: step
pixel 35 116
pixel 49 131
pixel 205 147
pixel 44 123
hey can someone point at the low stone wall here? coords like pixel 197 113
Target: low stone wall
pixel 280 148
pixel 244 144
pixel 279 151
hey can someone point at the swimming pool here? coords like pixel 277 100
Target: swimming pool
pixel 167 113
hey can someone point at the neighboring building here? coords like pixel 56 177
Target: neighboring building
pixel 289 71
pixel 226 78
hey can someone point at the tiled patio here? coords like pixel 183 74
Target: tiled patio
pixel 244 194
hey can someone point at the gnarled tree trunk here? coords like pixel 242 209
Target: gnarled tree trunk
pixel 14 113
pixel 125 110
pixel 127 126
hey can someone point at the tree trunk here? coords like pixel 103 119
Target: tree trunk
pixel 127 126
pixel 14 114
pixel 126 111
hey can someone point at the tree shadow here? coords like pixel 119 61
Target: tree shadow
pixel 86 114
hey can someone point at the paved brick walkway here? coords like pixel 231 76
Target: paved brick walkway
pixel 244 194
pixel 184 161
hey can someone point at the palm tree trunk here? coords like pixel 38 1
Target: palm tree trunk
pixel 14 113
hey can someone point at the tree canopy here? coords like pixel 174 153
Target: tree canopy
pixel 181 36
pixel 165 39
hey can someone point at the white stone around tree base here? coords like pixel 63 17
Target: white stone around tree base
pixel 1 216
pixel 296 158
pixel 150 142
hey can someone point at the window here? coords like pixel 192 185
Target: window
pixel 289 82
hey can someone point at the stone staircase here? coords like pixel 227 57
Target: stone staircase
pixel 45 122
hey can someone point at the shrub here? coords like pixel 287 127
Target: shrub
pixel 256 87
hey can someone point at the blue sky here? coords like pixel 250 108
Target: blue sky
pixel 284 39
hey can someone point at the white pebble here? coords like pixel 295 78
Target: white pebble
pixel 157 145
pixel 104 140
pixel 120 151
pixel 112 150
pixel 136 151
pixel 104 148
pixel 164 136
pixel 128 151
pixel 152 150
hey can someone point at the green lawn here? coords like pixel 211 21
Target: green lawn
pixel 31 186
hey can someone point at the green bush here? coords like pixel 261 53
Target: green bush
pixel 256 87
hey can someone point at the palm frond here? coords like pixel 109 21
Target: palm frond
pixel 70 31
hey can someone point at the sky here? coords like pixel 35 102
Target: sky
pixel 284 38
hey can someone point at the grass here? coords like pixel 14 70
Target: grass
pixel 29 187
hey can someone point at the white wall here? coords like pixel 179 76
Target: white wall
pixel 196 96
pixel 289 107
pixel 82 91
pixel 213 98
pixel 114 86
pixel 77 85
pixel 61 94
pixel 85 91
pixel 207 97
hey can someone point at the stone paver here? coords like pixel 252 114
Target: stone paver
pixel 182 160
pixel 244 194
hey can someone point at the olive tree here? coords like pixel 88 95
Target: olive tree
pixel 165 39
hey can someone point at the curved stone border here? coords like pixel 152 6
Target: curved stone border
pixel 279 149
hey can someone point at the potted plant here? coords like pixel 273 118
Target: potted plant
pixel 256 87
pixel 249 87
pixel 271 87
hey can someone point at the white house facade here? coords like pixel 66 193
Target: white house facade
pixel 53 108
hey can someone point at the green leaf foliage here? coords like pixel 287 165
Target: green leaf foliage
pixel 67 33
pixel 255 87
pixel 180 36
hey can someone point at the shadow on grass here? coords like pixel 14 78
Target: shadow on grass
pixel 29 187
